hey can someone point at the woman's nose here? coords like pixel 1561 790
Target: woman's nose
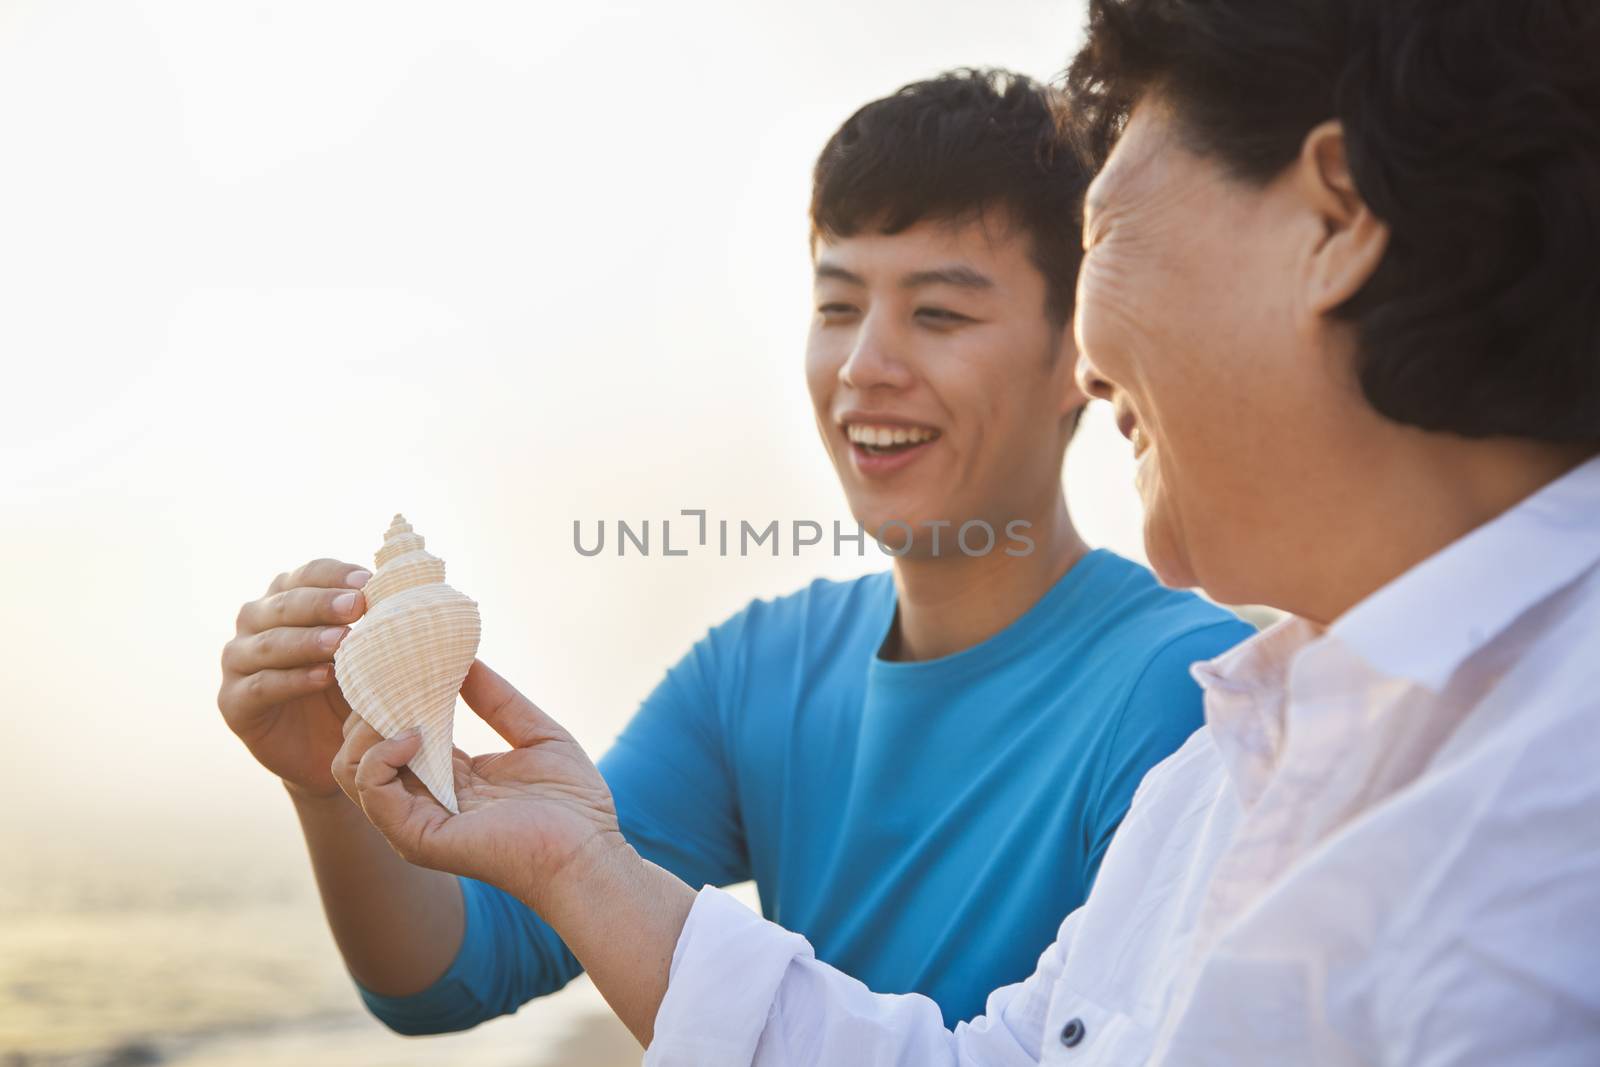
pixel 1090 381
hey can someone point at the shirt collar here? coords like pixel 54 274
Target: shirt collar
pixel 1245 691
pixel 1420 627
pixel 1425 624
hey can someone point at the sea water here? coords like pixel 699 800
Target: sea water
pixel 204 944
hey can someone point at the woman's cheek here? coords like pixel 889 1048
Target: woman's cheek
pixel 1164 544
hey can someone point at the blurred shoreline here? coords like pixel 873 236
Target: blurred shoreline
pixel 204 946
pixel 590 1039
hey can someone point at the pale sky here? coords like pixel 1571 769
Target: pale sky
pixel 275 271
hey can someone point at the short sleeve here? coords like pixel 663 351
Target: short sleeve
pixel 670 772
pixel 1163 708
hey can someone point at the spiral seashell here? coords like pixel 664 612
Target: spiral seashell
pixel 403 663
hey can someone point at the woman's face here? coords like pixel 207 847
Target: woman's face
pixel 1191 322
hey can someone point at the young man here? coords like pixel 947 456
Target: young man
pixel 1340 289
pixel 920 769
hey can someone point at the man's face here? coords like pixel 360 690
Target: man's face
pixel 942 389
pixel 1190 320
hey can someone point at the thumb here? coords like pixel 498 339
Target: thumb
pixel 403 817
pixel 513 716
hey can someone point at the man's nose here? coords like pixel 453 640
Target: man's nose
pixel 1090 381
pixel 876 358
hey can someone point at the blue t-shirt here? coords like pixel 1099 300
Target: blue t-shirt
pixel 925 825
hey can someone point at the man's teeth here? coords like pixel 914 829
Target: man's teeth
pixel 886 436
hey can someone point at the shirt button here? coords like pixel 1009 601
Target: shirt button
pixel 1072 1033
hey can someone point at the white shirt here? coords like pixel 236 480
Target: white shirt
pixel 1382 848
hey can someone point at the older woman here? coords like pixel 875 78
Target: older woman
pixel 1341 288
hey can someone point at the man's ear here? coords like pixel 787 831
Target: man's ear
pixel 1353 238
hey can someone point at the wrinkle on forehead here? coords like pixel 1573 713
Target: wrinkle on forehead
pixel 1109 187
pixel 1153 184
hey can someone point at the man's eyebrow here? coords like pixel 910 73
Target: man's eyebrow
pixel 830 270
pixel 957 275
pixel 963 277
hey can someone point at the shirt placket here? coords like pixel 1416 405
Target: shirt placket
pixel 1321 733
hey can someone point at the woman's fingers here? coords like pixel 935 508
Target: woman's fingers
pixel 513 716
pixel 359 737
pixel 405 818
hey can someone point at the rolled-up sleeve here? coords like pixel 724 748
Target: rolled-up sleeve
pixel 725 974
pixel 744 991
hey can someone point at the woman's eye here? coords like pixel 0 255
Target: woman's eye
pixel 835 309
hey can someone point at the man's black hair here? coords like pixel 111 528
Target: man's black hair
pixel 953 148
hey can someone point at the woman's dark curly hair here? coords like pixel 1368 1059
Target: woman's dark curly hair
pixel 950 148
pixel 1473 131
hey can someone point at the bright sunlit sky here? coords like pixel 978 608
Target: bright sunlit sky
pixel 272 272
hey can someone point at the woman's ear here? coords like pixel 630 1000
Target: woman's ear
pixel 1353 238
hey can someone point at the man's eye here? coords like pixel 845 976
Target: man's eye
pixel 941 315
pixel 836 309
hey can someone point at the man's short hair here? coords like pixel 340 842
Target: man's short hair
pixel 1473 131
pixel 952 148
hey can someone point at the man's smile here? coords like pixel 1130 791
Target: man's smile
pixel 882 443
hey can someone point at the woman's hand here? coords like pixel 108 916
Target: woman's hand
pixel 530 816
pixel 537 822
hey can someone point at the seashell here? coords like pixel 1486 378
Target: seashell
pixel 403 663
